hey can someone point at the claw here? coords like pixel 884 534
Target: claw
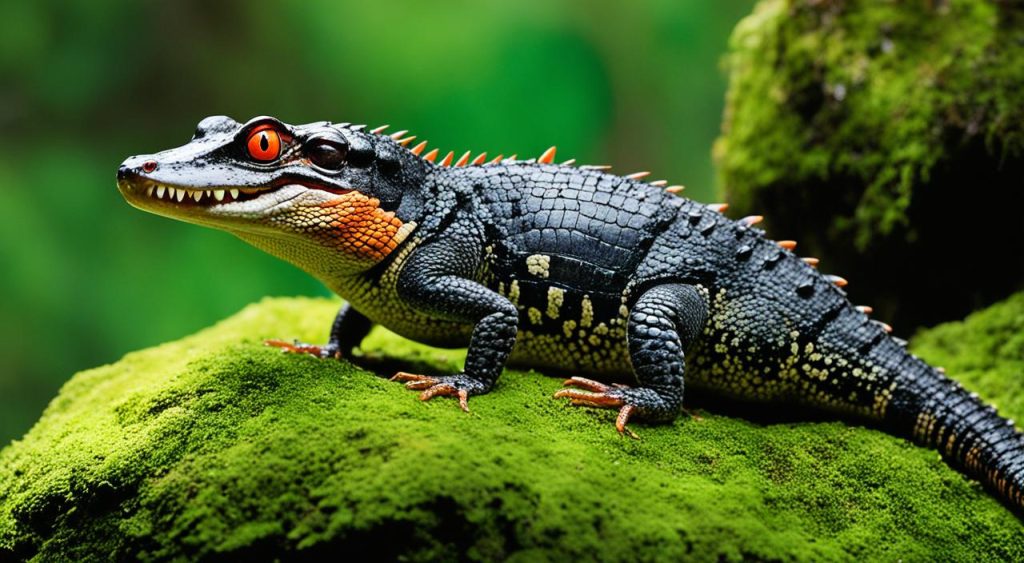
pixel 449 390
pixel 595 394
pixel 431 387
pixel 294 347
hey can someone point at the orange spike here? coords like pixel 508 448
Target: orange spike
pixel 398 134
pixel 675 189
pixel 659 183
pixel 479 159
pixel 599 166
pixel 419 148
pixel 569 162
pixel 405 142
pixel 787 244
pixel 548 157
pixel 379 130
pixel 448 158
pixel 885 326
pixel 839 281
pixel 463 159
pixel 752 220
pixel 638 175
pixel 719 207
pixel 431 156
pixel 865 309
pixel 813 262
pixel 941 370
pixel 497 159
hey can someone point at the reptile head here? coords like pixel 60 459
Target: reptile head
pixel 288 189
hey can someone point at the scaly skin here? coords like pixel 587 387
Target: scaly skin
pixel 565 268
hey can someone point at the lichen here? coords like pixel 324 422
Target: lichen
pixel 215 446
pixel 872 131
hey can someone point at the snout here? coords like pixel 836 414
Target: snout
pixel 136 167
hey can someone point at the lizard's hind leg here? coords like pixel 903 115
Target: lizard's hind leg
pixel 662 324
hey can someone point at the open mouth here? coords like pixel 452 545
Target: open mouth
pixel 202 197
pixel 208 197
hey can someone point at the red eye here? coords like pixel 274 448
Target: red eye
pixel 264 144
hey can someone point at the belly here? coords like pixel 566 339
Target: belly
pixel 571 332
pixel 601 358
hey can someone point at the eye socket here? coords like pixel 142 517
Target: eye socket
pixel 324 154
pixel 264 144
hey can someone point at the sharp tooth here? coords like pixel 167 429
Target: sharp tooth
pixel 160 191
pixel 218 194
pixel 149 191
pixel 197 195
pixel 171 192
pixel 180 195
pixel 234 194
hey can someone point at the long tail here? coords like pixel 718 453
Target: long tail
pixel 937 412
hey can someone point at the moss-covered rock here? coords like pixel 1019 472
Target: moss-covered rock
pixel 888 139
pixel 215 446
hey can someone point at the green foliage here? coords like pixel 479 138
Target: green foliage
pixel 88 83
pixel 216 446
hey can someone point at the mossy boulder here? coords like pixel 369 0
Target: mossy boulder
pixel 888 139
pixel 216 447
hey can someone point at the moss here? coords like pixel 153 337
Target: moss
pixel 888 138
pixel 215 446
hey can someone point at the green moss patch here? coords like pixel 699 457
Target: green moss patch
pixel 216 446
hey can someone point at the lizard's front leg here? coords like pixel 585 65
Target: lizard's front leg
pixel 435 281
pixel 347 332
pixel 663 322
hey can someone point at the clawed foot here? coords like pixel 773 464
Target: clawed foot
pixel 296 347
pixel 599 395
pixel 458 385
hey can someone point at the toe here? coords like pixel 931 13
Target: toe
pixel 447 389
pixel 404 376
pixel 294 347
pixel 620 421
pixel 588 384
pixel 589 399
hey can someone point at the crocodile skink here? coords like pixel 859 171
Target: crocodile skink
pixel 566 268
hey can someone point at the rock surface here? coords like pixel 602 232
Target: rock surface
pixel 217 447
pixel 887 138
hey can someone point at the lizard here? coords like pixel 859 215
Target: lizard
pixel 565 268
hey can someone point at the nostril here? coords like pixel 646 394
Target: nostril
pixel 149 166
pixel 122 172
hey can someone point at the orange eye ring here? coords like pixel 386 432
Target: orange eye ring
pixel 264 144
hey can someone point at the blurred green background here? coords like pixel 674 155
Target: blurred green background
pixel 87 83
